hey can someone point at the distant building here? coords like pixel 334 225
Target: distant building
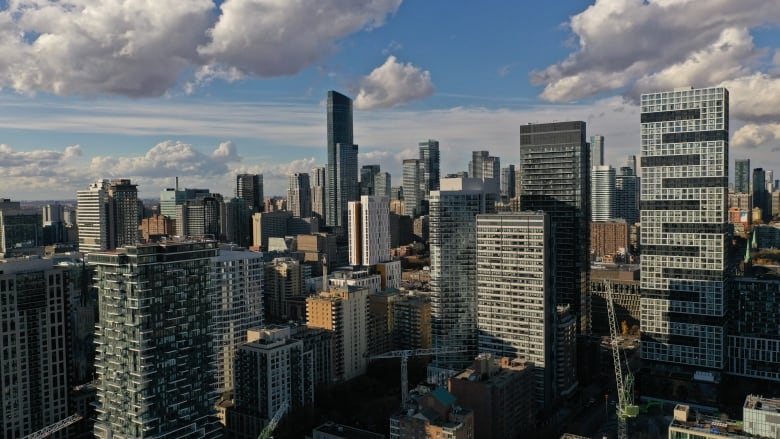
pixel 107 215
pixel 170 198
pixel 412 184
pixel 380 321
pixel 501 394
pixel 603 199
pixel 299 194
pixel 596 151
pixel 21 233
pixel 508 181
pixel 284 280
pixel 200 218
pixel 318 193
pixel 269 224
pixel 369 230
pixel 236 222
pixel 156 226
pixel 330 430
pixel 412 322
pixel 759 416
pixel 609 241
pixel 368 175
pixel 249 187
pixel 627 186
pixel 483 165
pixel 429 162
pixel 742 176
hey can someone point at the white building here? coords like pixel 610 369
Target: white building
pixel 369 230
pixel 237 306
pixel 603 202
pixel 515 310
pixel 92 217
pixel 684 147
pixel 760 417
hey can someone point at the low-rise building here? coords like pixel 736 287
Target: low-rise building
pixel 434 414
pixel 760 416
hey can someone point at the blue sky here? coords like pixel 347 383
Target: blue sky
pixel 153 90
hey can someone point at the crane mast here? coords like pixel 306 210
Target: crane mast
pixel 625 385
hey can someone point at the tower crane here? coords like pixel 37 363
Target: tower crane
pixel 404 356
pixel 625 384
pixel 266 433
pixel 53 428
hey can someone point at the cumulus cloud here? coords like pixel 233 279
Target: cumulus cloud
pixel 753 135
pixel 169 158
pixel 35 163
pixel 142 48
pixel 392 84
pixel 657 43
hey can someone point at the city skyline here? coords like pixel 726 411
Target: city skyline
pixel 218 112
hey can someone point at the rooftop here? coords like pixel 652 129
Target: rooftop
pixel 345 432
pixel 757 402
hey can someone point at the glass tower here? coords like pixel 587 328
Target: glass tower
pixel 684 161
pixel 742 176
pixel 340 144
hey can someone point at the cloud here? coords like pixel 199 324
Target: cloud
pixel 503 71
pixel 392 46
pixel 657 43
pixel 34 163
pixel 393 84
pixel 168 159
pixel 143 48
pixel 268 38
pixel 753 135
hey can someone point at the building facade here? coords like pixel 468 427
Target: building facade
pixel 596 151
pixel 340 144
pixel 555 177
pixel 412 183
pixel 684 164
pixel 603 199
pixel 299 194
pixel 627 195
pixel 742 176
pixel 319 194
pixel 249 187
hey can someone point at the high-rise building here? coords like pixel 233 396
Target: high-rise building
pixel 170 198
pixel 107 215
pixel 341 163
pixel 752 337
pixel 369 230
pixel 514 266
pixel 508 182
pixel 269 225
pixel 236 222
pixel 684 163
pixel 382 184
pixel 429 161
pixel 318 193
pixel 368 175
pixel 412 182
pixel 237 306
pixel 155 351
pixel 453 227
pixel 249 187
pixel 299 194
pixel 344 312
pixel 627 195
pixel 483 165
pixel 21 232
pixel 35 347
pixel 200 217
pixel 761 197
pixel 285 280
pixel 412 322
pixel 555 177
pixel 602 187
pixel 596 151
pixel 742 176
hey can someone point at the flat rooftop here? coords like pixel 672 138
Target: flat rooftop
pixel 333 430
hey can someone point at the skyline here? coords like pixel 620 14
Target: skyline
pixel 203 108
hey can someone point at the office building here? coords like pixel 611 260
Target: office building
pixel 500 392
pixel 429 161
pixel 124 216
pixel 684 160
pixel 285 279
pixel 299 194
pixel 269 225
pixel 34 370
pixel 761 197
pixel 155 353
pixel 249 187
pixel 342 181
pixel 368 175
pixel 237 306
pixel 344 312
pixel 483 165
pixel 412 184
pixel 453 243
pixel 596 151
pixel 555 178
pixel 759 416
pixel 170 198
pixel 382 184
pixel 742 176
pixel 508 182
pixel 107 215
pixel 412 322
pixel 272 369
pixel 236 222
pixel 603 200
pixel 318 193
pixel 21 233
pixel 515 299
pixel 627 195
pixel 200 217
pixel 369 230
pixel 156 226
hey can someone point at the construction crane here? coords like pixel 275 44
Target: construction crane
pixel 625 384
pixel 53 428
pixel 266 433
pixel 404 356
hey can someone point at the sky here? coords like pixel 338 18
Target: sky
pixel 203 90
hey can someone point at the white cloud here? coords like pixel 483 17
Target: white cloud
pixel 393 84
pixel 34 163
pixel 142 48
pixel 753 135
pixel 269 38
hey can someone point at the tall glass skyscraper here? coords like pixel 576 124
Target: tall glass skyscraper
pixel 429 161
pixel 742 176
pixel 555 177
pixel 602 182
pixel 299 194
pixel 684 160
pixel 249 187
pixel 340 152
pixel 412 184
pixel 453 226
pixel 596 151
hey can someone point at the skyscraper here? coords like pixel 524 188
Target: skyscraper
pixel 684 163
pixel 339 133
pixel 299 194
pixel 369 230
pixel 123 212
pixel 318 193
pixel 107 215
pixel 249 187
pixel 429 160
pixel 172 197
pixel 555 177
pixel 382 184
pixel 602 186
pixel 155 351
pixel 514 266
pixel 742 176
pixel 368 175
pixel 761 195
pixel 508 182
pixel 412 183
pixel 596 151
pixel 627 195
pixel 34 331
pixel 483 165
pixel 453 227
